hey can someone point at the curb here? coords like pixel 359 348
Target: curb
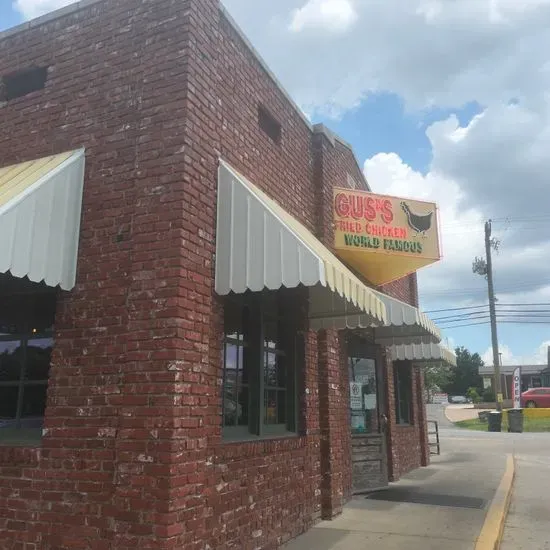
pixel 491 533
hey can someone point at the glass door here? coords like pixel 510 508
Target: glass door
pixel 363 395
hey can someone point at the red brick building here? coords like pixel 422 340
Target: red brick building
pixel 165 384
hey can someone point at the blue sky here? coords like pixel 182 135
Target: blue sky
pixel 441 101
pixel 8 16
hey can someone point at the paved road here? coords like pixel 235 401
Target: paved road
pixel 526 527
pixel 437 412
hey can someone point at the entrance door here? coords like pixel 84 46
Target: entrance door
pixel 368 416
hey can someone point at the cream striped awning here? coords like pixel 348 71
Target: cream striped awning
pixel 40 208
pixel 260 246
pixel 423 353
pixel 405 324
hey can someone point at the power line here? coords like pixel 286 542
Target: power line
pixel 500 290
pixel 521 305
pixel 456 308
pixel 500 313
pixel 515 310
pixel 526 322
pixel 462 316
pixel 498 305
pixel 466 325
pixel 500 322
pixel 486 316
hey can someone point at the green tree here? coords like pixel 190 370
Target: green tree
pixel 437 376
pixel 466 373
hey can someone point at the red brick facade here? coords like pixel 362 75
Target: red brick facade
pixel 408 444
pixel 132 454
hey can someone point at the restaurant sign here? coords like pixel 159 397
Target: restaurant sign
pixel 383 237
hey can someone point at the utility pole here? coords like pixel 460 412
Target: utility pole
pixel 485 267
pixel 492 313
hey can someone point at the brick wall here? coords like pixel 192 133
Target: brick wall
pixel 261 493
pixel 120 434
pixel 407 443
pixel 405 289
pixel 133 456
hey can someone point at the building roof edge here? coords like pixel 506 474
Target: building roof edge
pixel 333 138
pixel 47 17
pixel 263 64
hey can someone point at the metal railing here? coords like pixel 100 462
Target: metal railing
pixel 435 448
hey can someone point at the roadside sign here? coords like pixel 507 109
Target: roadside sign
pixel 516 388
pixel 499 398
pixel 440 398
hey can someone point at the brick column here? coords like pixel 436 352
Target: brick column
pixel 393 456
pixel 335 434
pixel 422 417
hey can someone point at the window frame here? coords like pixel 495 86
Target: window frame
pixel 26 325
pixel 257 352
pixel 22 382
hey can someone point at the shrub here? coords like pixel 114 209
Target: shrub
pixel 473 395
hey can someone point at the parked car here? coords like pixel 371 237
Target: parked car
pixel 536 397
pixel 458 399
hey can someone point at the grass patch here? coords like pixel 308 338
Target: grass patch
pixel 473 424
pixel 529 424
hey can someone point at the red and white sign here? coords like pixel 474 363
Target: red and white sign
pixel 440 398
pixel 516 388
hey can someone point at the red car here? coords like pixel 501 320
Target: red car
pixel 536 397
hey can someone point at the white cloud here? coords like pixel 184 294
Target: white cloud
pixel 430 52
pixel 330 15
pixel 34 8
pixel 388 174
pixel 495 167
pixel 538 357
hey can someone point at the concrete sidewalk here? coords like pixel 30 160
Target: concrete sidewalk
pixel 526 526
pixel 460 486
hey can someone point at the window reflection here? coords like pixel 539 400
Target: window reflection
pixel 259 354
pixel 10 360
pixel 235 382
pixel 363 395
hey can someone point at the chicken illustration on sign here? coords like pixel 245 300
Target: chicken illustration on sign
pixel 384 237
pixel 418 223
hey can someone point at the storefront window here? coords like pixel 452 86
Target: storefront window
pixel 402 380
pixel 363 395
pixel 26 342
pixel 235 384
pixel 259 376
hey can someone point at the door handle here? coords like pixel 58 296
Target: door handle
pixel 383 423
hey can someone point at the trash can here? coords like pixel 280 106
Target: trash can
pixel 483 416
pixel 515 420
pixel 495 421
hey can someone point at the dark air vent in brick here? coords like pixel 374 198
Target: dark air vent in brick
pixel 269 124
pixel 22 82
